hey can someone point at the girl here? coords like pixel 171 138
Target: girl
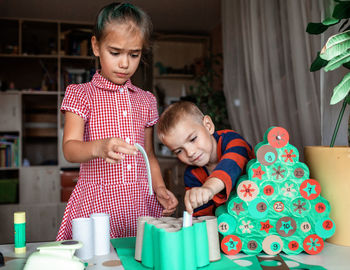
pixel 104 118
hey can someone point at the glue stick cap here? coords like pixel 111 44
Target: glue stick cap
pixel 19 217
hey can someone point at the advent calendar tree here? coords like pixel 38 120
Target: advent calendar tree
pixel 275 206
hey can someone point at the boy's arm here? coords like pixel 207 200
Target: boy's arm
pixel 165 197
pixel 235 153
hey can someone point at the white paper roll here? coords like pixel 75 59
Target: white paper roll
pixel 187 219
pixel 101 233
pixel 139 235
pixel 213 237
pixel 82 231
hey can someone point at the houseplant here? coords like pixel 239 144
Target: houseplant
pixel 330 165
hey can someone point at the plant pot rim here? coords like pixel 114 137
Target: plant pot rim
pixel 324 147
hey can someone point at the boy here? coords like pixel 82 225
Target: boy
pixel 215 159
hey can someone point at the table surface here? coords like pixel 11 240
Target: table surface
pixel 331 257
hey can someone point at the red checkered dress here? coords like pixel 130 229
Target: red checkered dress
pixel 121 190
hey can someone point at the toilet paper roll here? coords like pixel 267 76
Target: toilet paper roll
pixel 82 231
pixel 213 237
pixel 139 235
pixel 101 233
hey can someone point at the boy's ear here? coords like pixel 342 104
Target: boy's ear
pixel 208 123
pixel 95 46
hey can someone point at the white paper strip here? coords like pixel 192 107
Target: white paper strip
pixel 149 176
pixel 82 231
pixel 101 233
pixel 187 219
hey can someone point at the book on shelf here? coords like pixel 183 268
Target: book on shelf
pixel 9 151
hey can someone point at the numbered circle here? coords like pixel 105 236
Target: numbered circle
pixel 226 224
pixel 251 246
pixel 272 244
pixel 247 190
pixel 300 171
pixel 310 189
pixel 292 245
pixel 278 206
pixel 258 208
pixel 286 226
pixel 231 244
pixel 305 226
pixel 266 155
pixel 320 207
pixel 313 244
pixel 278 137
pixel 325 228
pixel 266 226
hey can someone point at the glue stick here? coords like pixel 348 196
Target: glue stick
pixel 20 232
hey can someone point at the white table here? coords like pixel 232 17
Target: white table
pixel 331 257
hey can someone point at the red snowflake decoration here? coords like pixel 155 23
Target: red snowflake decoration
pixel 247 190
pixel 289 155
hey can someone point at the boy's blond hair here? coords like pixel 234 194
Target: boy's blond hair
pixel 174 113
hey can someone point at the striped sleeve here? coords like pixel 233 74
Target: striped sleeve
pixel 195 177
pixel 234 153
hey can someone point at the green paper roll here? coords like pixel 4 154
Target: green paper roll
pixel 292 245
pixel 258 208
pixel 170 252
pixel 252 246
pixel 267 133
pixel 320 208
pixel 250 163
pixel 299 172
pixel 147 246
pixel 269 190
pixel 288 154
pixel 189 253
pixel 222 209
pixel 300 207
pixel 237 207
pixel 277 172
pixel 201 244
pixel 226 224
pixel 246 227
pixel 257 172
pixel 325 227
pixel 288 189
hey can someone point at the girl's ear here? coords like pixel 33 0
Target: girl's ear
pixel 95 46
pixel 208 124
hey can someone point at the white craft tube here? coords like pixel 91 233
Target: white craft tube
pixel 187 219
pixel 213 237
pixel 139 235
pixel 101 233
pixel 82 231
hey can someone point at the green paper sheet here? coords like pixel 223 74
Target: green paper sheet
pixel 125 248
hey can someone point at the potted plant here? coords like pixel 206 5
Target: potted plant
pixel 330 165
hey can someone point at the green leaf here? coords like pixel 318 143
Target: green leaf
pixel 341 90
pixel 316 28
pixel 338 61
pixel 336 45
pixel 330 21
pixel 318 63
pixel 342 10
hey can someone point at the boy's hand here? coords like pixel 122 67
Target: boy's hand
pixel 167 199
pixel 112 150
pixel 196 197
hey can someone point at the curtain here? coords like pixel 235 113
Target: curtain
pixel 267 54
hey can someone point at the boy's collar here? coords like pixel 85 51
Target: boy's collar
pixel 101 82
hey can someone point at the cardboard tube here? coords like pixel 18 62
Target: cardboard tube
pixel 213 237
pixel 139 235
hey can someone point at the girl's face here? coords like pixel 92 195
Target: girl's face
pixel 192 142
pixel 119 51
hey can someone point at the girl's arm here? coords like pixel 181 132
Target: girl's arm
pixel 77 151
pixel 165 197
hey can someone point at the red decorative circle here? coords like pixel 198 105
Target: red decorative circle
pixel 293 245
pixel 320 207
pixel 268 190
pixel 278 137
pixel 310 189
pixel 231 244
pixel 313 244
pixel 327 224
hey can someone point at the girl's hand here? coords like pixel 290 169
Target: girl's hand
pixel 112 150
pixel 167 199
pixel 196 197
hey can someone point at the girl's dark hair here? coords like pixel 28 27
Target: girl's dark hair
pixel 121 13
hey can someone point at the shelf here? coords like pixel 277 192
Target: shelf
pixel 175 77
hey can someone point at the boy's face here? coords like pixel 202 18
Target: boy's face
pixel 192 142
